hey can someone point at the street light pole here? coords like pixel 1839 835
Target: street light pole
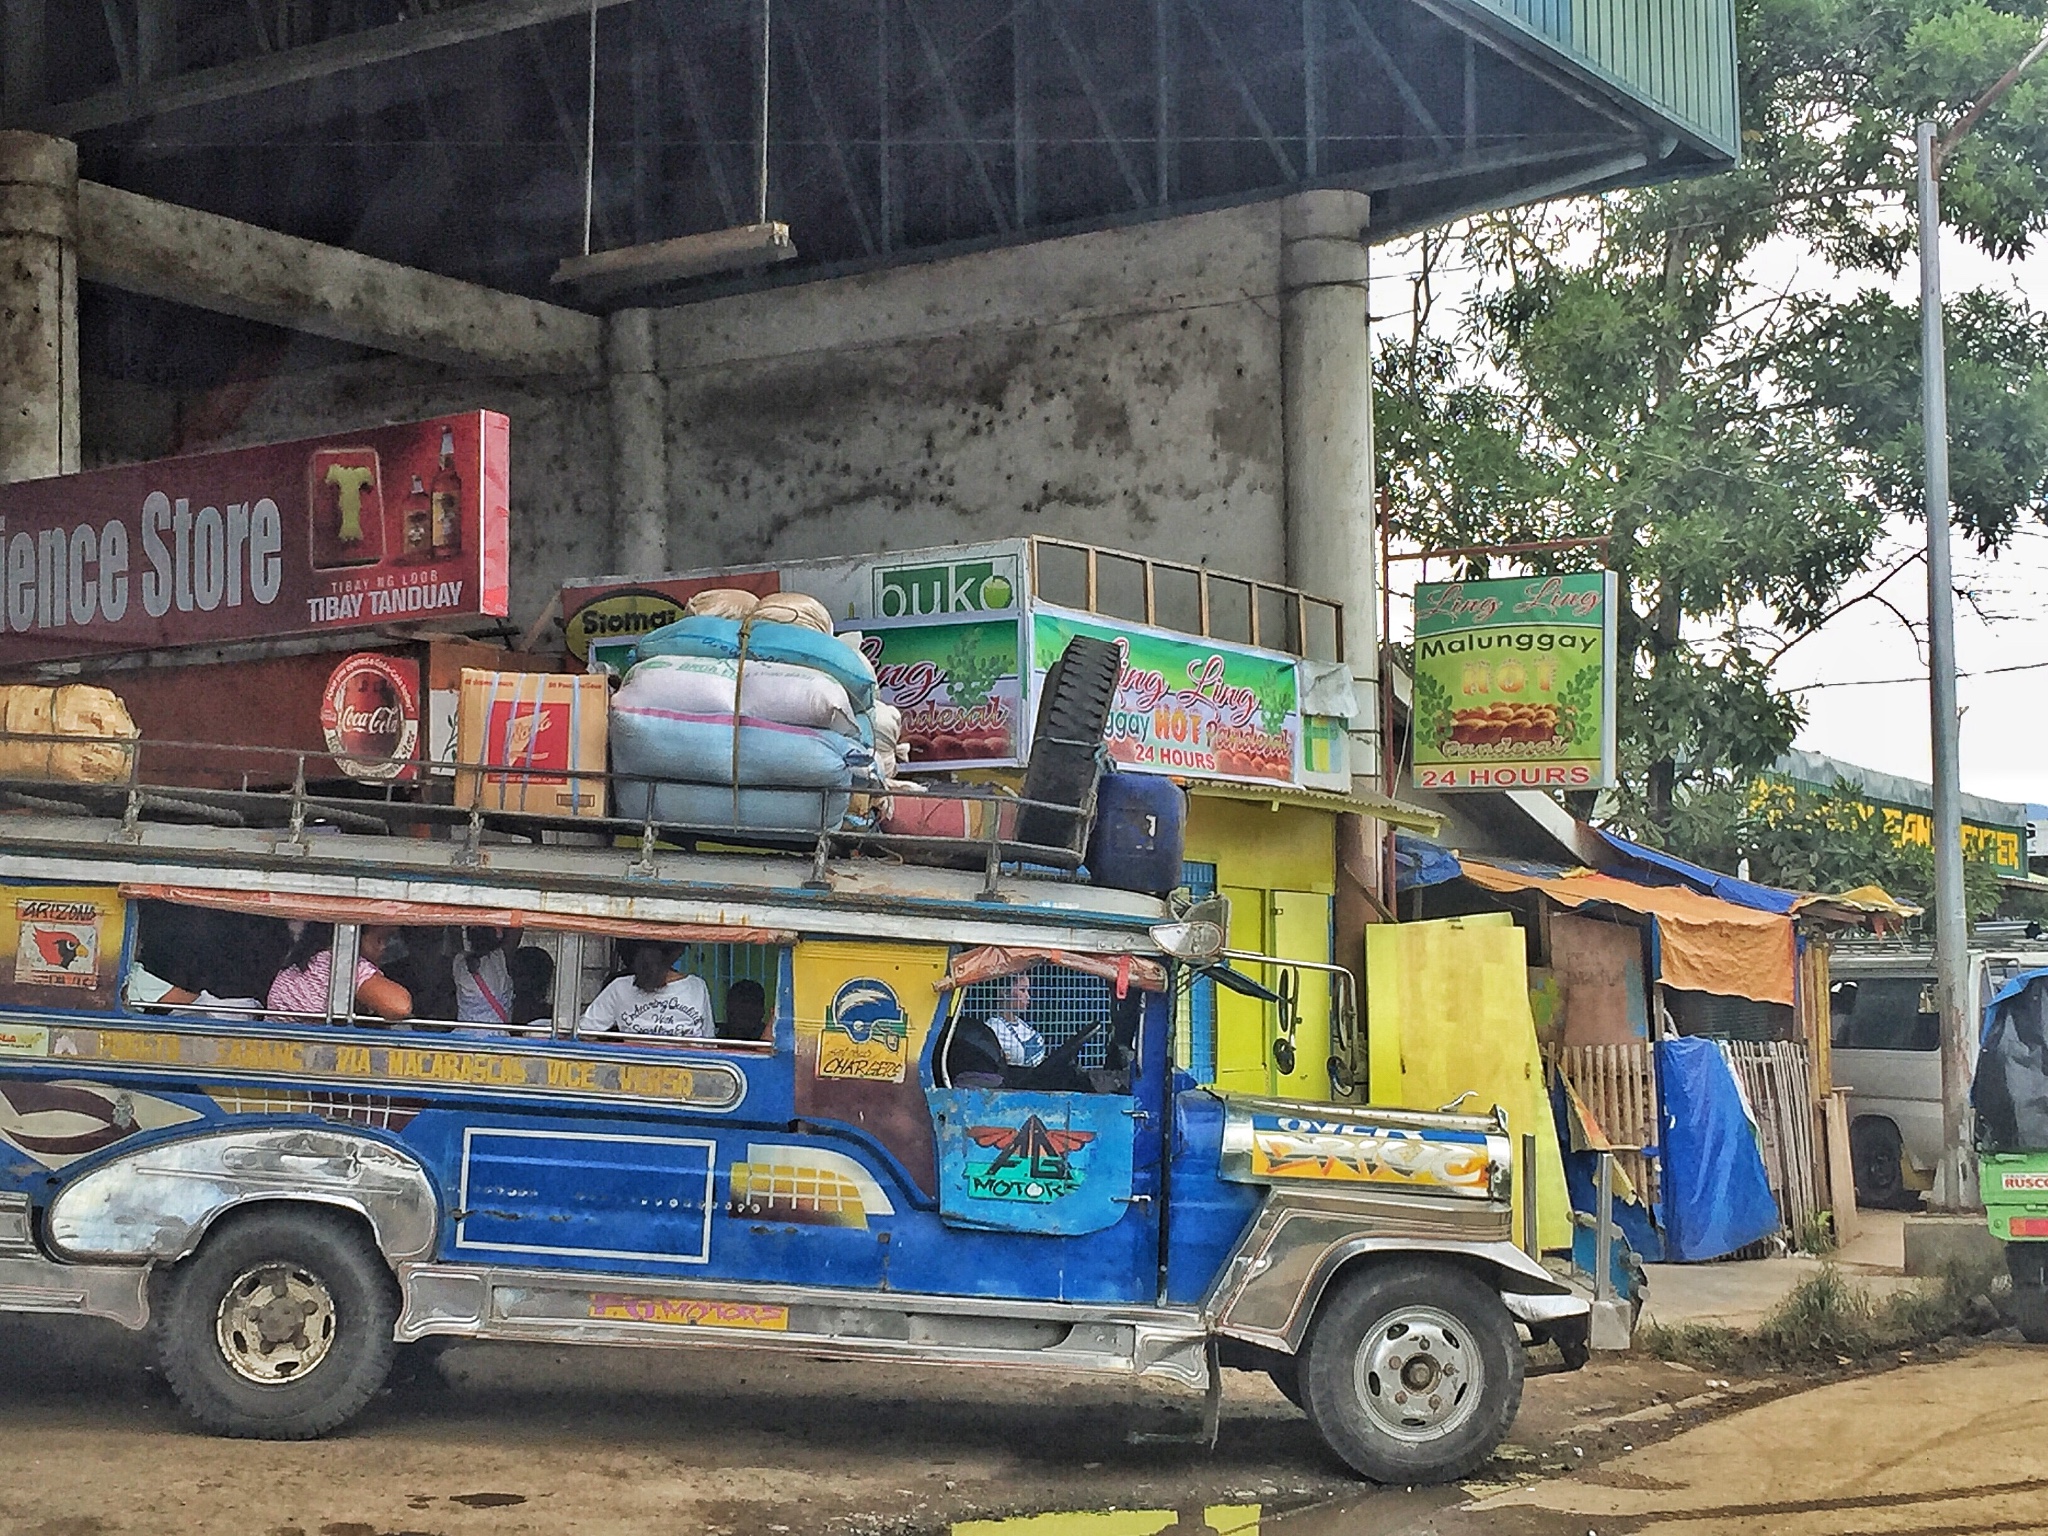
pixel 1956 1184
pixel 1951 936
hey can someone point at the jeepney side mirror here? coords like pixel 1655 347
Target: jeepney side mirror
pixel 1198 935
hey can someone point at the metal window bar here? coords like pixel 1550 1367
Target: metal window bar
pixel 1063 1003
pixel 1200 1018
pixel 1292 600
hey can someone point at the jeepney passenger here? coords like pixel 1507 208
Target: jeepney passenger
pixel 654 1000
pixel 483 977
pixel 301 985
pixel 746 1012
pixel 1022 1044
pixel 532 970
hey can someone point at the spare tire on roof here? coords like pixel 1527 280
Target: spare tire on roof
pixel 1066 743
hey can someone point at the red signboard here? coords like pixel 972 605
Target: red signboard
pixel 366 528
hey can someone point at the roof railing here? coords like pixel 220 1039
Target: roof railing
pixel 408 804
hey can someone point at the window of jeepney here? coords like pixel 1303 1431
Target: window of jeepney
pixel 722 967
pixel 1059 996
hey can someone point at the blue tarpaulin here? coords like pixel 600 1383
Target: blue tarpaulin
pixel 1743 893
pixel 1716 1197
pixel 1419 862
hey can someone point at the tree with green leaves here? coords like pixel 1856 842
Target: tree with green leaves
pixel 1707 375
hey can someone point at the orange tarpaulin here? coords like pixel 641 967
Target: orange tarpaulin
pixel 1705 944
pixel 991 961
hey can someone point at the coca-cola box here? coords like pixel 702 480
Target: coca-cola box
pixel 359 529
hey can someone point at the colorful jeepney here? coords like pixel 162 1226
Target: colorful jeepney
pixel 288 1202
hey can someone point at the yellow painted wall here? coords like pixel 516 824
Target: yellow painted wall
pixel 1278 866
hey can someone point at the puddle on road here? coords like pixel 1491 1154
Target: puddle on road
pixel 1369 1512
pixel 1203 1520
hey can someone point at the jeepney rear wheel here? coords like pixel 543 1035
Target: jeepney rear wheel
pixel 279 1327
pixel 1412 1372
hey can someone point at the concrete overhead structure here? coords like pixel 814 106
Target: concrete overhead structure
pixel 38 307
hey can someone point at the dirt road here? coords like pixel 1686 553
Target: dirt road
pixel 617 1443
pixel 1954 1448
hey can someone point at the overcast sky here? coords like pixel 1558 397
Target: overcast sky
pixel 1862 677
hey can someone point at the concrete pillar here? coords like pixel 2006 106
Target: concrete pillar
pixel 38 306
pixel 1326 424
pixel 639 418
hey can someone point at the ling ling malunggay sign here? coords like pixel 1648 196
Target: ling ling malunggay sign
pixel 1514 683
pixel 352 530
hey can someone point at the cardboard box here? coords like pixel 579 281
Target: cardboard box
pixel 543 725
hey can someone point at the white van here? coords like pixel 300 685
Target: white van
pixel 1885 1034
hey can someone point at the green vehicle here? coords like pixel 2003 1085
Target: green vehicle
pixel 2015 1190
pixel 2011 1098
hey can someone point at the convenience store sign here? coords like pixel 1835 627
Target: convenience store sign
pixel 1514 683
pixel 1187 706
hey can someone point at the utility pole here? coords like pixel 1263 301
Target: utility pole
pixel 1955 1186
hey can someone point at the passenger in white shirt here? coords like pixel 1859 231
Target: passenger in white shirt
pixel 652 1001
pixel 1022 1044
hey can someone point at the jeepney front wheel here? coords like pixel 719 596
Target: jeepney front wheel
pixel 279 1327
pixel 1412 1372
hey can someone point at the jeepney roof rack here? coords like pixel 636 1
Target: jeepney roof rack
pixel 409 802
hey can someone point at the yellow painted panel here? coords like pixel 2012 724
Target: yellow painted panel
pixel 1301 931
pixel 1291 847
pixel 1242 1022
pixel 60 945
pixel 894 987
pixel 1447 1010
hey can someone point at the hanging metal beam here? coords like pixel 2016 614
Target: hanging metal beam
pixel 1024 108
pixel 961 126
pixel 124 54
pixel 1163 85
pixel 1079 65
pixel 697 98
pixel 1228 64
pixel 294 66
pixel 1403 87
pixel 566 124
pixel 835 144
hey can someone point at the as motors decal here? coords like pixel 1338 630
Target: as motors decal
pixel 1029 1162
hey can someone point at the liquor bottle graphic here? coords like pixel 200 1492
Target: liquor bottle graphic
pixel 447 501
pixel 416 540
pixel 345 494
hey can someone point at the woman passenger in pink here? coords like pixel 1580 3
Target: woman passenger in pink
pixel 301 984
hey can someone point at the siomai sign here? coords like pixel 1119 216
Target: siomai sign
pixel 363 528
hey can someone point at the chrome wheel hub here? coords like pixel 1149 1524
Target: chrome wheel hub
pixel 1418 1374
pixel 276 1324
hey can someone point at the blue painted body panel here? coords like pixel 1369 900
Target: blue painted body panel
pixel 1206 1214
pixel 533 1176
